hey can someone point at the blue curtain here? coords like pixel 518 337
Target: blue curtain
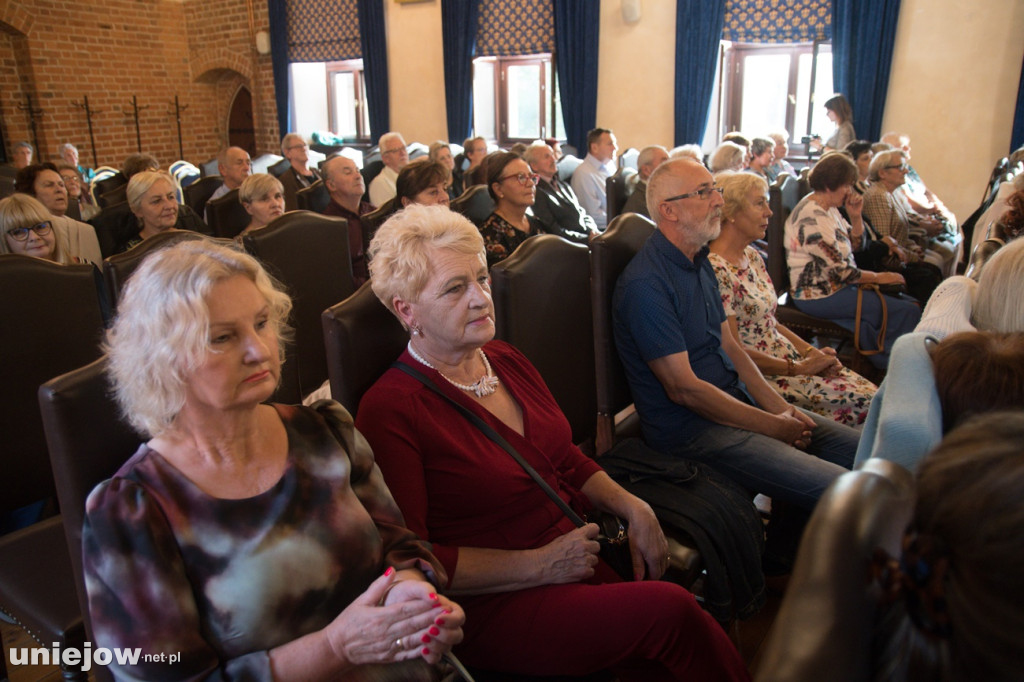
pixel 698 33
pixel 577 32
pixel 458 34
pixel 373 38
pixel 863 34
pixel 1017 137
pixel 278 11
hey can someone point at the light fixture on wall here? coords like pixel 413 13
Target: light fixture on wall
pixel 263 42
pixel 631 11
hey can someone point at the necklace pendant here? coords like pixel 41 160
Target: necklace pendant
pixel 486 386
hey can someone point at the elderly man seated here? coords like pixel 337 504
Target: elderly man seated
pixel 648 159
pixel 556 205
pixel 234 165
pixel 298 176
pixel 346 187
pixel 395 156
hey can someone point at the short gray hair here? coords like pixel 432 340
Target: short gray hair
pixel 728 156
pixel 288 139
pixel 882 159
pixel 400 263
pixel 532 153
pixel 997 304
pixel 162 330
pixel 142 183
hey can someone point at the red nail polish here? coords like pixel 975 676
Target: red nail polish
pixel 432 596
pixel 425 652
pixel 425 639
pixel 389 571
pixel 439 621
pixel 434 631
pixel 447 610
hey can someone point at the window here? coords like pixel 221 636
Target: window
pixel 330 96
pixel 515 99
pixel 768 88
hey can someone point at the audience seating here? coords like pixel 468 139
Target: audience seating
pixel 88 443
pixel 475 203
pixel 824 627
pixel 209 168
pixel 371 169
pixel 115 195
pixel 541 306
pixel 47 332
pixel 273 164
pixel 362 339
pixel 184 173
pixel 618 187
pixel 226 216
pixel 567 165
pixel 374 219
pixel 119 267
pixel 308 253
pixel 417 150
pixel 313 198
pixel 74 209
pixel 200 191
pixel 103 189
pixel 6 186
pixel 108 224
pixel 628 159
pixel 278 168
pixel 102 173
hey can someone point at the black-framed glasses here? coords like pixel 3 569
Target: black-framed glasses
pixel 523 178
pixel 393 151
pixel 21 233
pixel 902 166
pixel 704 193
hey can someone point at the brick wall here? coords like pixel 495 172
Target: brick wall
pixel 111 50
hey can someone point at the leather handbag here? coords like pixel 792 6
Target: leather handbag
pixel 613 538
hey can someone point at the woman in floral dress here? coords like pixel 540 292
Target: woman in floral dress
pixel 805 376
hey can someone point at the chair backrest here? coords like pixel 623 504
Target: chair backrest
pixel 1001 168
pixel 629 158
pixel 618 188
pixel 782 198
pixel 52 323
pixel 475 203
pixel 226 216
pixel 278 168
pixel 824 627
pixel 567 165
pixel 542 307
pixel 6 186
pixel 119 267
pixel 308 253
pixel 87 443
pixel 265 162
pixel 418 150
pixel 375 218
pixel 184 173
pixel 115 195
pixel 209 168
pixel 74 209
pixel 372 168
pixel 101 189
pixel 200 191
pixel 610 253
pixel 803 182
pixel 313 198
pixel 362 338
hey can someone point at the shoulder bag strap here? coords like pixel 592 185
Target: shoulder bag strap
pixel 497 438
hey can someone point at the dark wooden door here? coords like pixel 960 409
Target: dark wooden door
pixel 241 128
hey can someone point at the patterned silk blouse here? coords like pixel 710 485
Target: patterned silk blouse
pixel 218 582
pixel 818 251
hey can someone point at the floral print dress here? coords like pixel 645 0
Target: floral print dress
pixel 749 295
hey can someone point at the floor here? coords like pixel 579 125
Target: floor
pixel 749 636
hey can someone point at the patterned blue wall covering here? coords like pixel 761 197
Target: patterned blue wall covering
pixel 513 27
pixel 323 30
pixel 777 21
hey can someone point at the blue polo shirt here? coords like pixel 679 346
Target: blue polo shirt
pixel 665 304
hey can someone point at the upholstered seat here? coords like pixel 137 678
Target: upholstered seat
pixel 226 216
pixel 200 191
pixel 475 203
pixel 313 198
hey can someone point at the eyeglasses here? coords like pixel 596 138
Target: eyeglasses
pixel 299 146
pixel 21 233
pixel 523 178
pixel 393 151
pixel 703 194
pixel 903 167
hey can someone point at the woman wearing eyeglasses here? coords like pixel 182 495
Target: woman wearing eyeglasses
pixel 513 186
pixel 28 230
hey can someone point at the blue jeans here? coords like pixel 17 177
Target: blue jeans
pixel 766 465
pixel 841 307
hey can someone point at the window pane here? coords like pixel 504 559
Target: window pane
pixel 483 99
pixel 765 89
pixel 309 97
pixel 523 101
pixel 820 124
pixel 344 89
pixel 559 126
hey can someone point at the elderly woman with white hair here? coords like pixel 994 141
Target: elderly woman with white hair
pixel 728 156
pixel 153 202
pixel 256 541
pixel 262 196
pixel 539 600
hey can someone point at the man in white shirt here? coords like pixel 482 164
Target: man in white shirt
pixel 395 157
pixel 589 179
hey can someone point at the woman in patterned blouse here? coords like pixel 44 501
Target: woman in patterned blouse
pixel 802 374
pixel 513 186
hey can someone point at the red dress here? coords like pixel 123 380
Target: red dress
pixel 457 488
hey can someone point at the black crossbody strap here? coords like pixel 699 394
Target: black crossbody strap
pixel 497 438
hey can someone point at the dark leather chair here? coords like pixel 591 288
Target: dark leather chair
pixel 371 169
pixel 119 267
pixel 824 627
pixel 610 253
pixel 308 253
pixel 109 224
pixel 74 209
pixel 6 186
pixel 226 216
pixel 47 332
pixel 209 168
pixel 200 191
pixel 87 443
pixel 113 196
pixel 475 203
pixel 542 307
pixel 313 198
pixel 375 218
pixel 278 168
pixel 362 339
pixel 617 189
pixel 102 187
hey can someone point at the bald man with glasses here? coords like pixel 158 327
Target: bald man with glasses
pixel 698 394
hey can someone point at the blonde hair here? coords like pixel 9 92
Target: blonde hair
pixel 162 330
pixel 23 210
pixel 997 304
pixel 400 258
pixel 728 156
pixel 736 192
pixel 141 183
pixel 258 186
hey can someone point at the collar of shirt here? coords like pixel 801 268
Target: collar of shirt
pixel 677 257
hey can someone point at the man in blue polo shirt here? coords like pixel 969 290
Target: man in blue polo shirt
pixel 697 392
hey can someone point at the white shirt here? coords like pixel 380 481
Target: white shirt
pixel 588 181
pixel 383 189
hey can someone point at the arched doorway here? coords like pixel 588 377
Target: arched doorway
pixel 241 125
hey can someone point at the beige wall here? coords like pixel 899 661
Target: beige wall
pixel 953 88
pixel 416 70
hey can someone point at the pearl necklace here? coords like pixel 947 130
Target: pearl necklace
pixel 484 386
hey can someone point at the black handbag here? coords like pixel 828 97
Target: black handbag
pixel 613 538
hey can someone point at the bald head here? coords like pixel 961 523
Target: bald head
pixel 343 180
pixel 234 166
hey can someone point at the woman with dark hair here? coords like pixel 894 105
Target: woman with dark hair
pixel 513 186
pixel 824 278
pixel 978 372
pixel 43 182
pixel 840 113
pixel 420 182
